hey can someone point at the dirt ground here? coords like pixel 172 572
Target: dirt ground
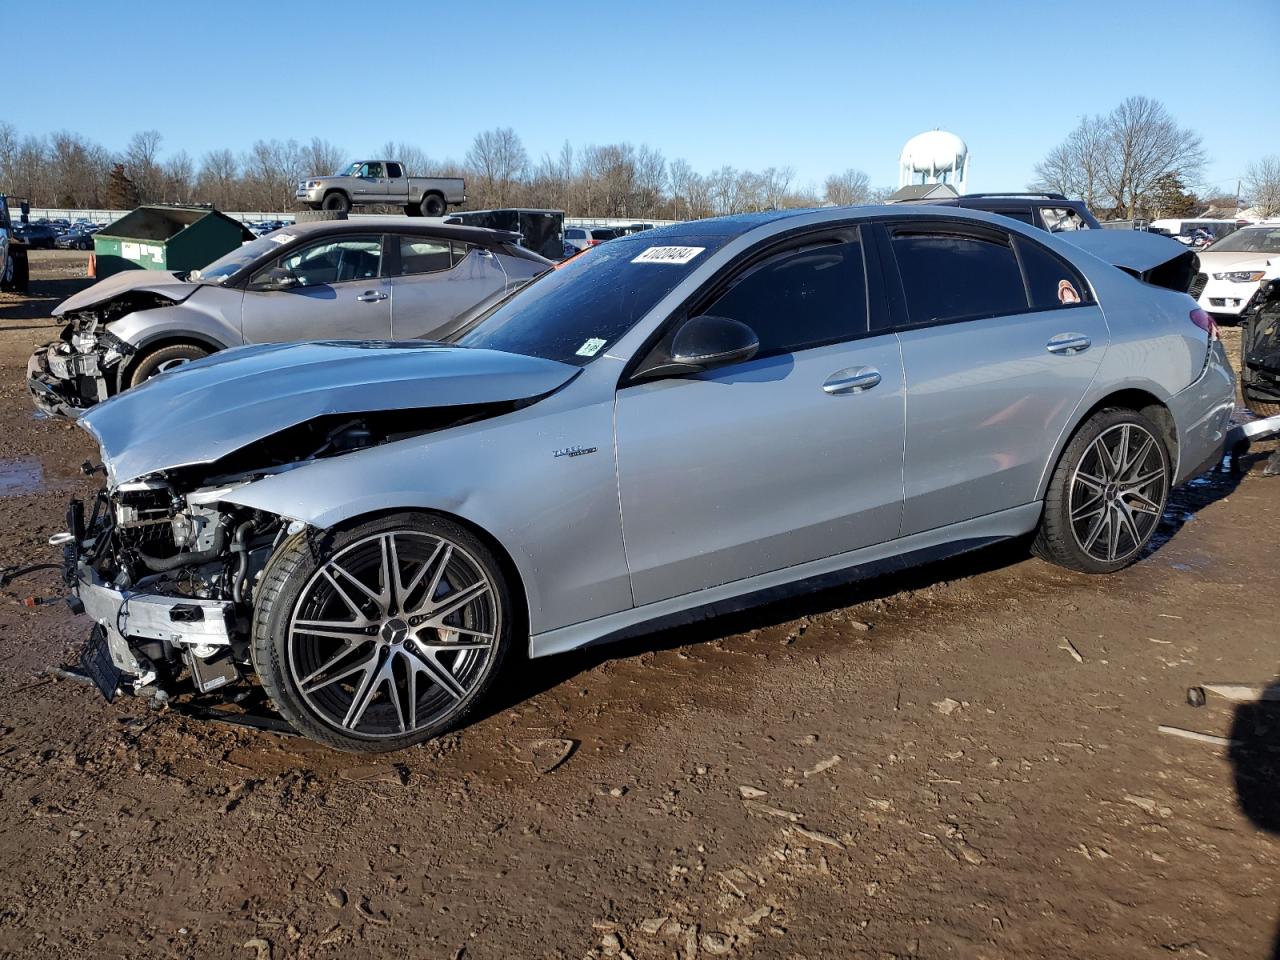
pixel 958 762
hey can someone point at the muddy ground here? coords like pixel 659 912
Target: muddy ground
pixel 959 762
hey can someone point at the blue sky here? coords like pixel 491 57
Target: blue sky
pixel 816 86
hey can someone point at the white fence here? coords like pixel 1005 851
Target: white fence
pixel 254 216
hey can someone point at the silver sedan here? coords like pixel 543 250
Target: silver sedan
pixel 681 422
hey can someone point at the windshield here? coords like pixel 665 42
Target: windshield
pixel 576 312
pixel 239 258
pixel 349 171
pixel 1249 240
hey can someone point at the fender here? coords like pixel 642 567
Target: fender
pixel 177 322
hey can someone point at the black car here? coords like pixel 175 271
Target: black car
pixel 74 239
pixel 37 236
pixel 1048 211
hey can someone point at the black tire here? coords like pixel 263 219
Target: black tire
pixel 1075 543
pixel 299 573
pixel 433 205
pixel 411 210
pixel 21 272
pixel 336 201
pixel 166 358
pixel 316 216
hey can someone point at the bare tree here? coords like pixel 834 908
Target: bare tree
pixel 1262 185
pixel 1117 161
pixel 497 160
pixel 142 163
pixel 179 177
pixel 848 188
pixel 774 184
pixel 323 158
pixel 1074 167
pixel 690 191
pixel 219 180
pixel 273 169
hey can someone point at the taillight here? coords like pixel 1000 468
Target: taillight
pixel 1205 323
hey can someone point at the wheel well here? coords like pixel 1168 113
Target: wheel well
pixel 125 370
pixel 331 191
pixel 1150 407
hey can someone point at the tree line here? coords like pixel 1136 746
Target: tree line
pixel 65 169
pixel 1135 161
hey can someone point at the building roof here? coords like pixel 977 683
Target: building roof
pixel 923 191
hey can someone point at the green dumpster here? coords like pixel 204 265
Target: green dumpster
pixel 166 238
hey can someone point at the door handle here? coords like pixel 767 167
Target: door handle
pixel 851 380
pixel 371 296
pixel 1068 343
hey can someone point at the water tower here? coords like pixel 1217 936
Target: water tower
pixel 934 156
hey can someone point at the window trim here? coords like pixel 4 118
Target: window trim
pixel 251 287
pixel 393 246
pixel 976 231
pixel 718 284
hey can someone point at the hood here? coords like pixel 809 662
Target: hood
pixel 208 409
pixel 1226 261
pixel 127 281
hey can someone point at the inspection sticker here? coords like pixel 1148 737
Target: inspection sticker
pixel 668 255
pixel 282 238
pixel 591 347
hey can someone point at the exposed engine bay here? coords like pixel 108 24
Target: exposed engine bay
pixel 167 569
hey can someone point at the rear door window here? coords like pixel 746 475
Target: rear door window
pixel 393 170
pixel 424 255
pixel 800 298
pixel 949 275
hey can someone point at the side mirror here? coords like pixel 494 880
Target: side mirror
pixel 277 278
pixel 708 341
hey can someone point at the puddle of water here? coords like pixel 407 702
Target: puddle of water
pixel 1190 498
pixel 23 475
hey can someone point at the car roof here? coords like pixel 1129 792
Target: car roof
pixel 481 236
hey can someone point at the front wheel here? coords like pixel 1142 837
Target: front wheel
pixel 383 635
pixel 1106 495
pixel 337 202
pixel 163 360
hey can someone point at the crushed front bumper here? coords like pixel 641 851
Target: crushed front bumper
pixel 63 382
pixel 143 629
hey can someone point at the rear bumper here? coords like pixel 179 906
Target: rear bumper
pixel 1202 414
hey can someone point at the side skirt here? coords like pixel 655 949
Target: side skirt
pixel 808 577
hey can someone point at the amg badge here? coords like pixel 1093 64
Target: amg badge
pixel 575 451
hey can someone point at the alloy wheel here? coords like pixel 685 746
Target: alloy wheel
pixel 1118 491
pixel 393 633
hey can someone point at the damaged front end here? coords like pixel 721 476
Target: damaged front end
pixel 84 365
pixel 166 561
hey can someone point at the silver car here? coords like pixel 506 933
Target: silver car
pixel 681 422
pixel 373 277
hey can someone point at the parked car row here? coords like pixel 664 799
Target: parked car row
pixel 370 527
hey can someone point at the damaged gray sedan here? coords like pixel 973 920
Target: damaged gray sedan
pixel 374 277
pixel 678 423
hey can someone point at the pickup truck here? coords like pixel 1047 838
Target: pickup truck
pixel 381 182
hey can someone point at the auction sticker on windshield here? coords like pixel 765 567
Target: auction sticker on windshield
pixel 668 255
pixel 591 347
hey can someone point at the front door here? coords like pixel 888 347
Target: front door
pixel 1001 339
pixel 792 456
pixel 330 289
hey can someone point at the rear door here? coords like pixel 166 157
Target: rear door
pixel 336 291
pixel 1000 339
pixel 792 456
pixel 433 280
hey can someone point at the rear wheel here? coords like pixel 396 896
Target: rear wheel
pixel 163 360
pixel 433 205
pixel 382 635
pixel 1106 495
